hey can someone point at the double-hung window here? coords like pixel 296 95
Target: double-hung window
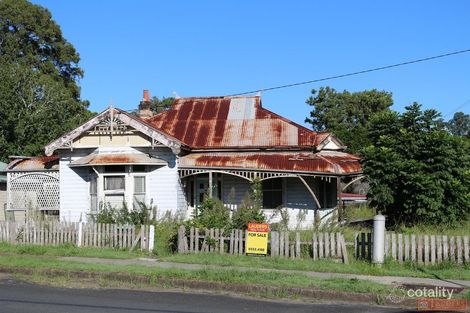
pixel 114 190
pixel 139 191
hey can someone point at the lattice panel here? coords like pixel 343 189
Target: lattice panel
pixel 34 191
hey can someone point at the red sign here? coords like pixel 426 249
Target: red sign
pixel 261 228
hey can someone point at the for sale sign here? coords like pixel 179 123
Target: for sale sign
pixel 257 240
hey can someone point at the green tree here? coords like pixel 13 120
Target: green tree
pixel 347 114
pixel 29 36
pixel 459 125
pixel 34 110
pixel 39 94
pixel 162 105
pixel 417 171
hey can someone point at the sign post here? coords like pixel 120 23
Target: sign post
pixel 257 240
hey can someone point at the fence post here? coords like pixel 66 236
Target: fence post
pixel 151 237
pixel 181 238
pixel 379 240
pixel 80 234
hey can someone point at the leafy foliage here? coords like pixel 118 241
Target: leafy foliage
pixel 212 214
pixel 250 210
pixel 39 95
pixel 459 125
pixel 158 106
pixel 347 114
pixel 29 37
pixel 418 172
pixel 34 110
pixel 122 215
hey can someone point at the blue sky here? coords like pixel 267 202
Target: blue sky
pixel 213 48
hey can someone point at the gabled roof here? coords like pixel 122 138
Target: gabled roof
pixel 135 122
pixel 233 122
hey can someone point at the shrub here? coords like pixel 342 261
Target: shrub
pixel 212 214
pixel 250 210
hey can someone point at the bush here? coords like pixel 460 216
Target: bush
pixel 110 215
pixel 212 214
pixel 250 210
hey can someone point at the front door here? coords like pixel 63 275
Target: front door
pixel 202 185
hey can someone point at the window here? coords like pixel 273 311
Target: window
pixel 114 183
pixel 114 187
pixel 93 194
pixel 139 191
pixel 272 193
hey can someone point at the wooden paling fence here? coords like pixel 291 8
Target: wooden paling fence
pixel 280 244
pixel 423 249
pixel 79 234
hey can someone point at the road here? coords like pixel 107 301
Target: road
pixel 18 296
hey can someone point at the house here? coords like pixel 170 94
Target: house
pixel 201 146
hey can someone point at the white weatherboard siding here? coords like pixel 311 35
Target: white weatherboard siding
pixel 74 187
pixel 163 183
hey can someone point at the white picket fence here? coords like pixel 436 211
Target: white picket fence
pixel 79 234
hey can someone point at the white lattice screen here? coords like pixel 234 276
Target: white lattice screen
pixel 33 191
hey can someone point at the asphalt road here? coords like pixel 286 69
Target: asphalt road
pixel 24 297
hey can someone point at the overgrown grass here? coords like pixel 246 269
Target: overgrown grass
pixel 232 276
pixel 69 250
pixel 461 229
pixel 390 268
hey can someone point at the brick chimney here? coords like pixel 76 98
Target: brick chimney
pixel 145 110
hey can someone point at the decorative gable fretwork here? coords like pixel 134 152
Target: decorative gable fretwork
pixel 111 125
pixel 117 122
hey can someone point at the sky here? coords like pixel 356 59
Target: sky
pixel 215 48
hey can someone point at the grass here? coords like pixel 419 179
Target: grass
pixel 227 276
pixel 390 268
pixel 68 250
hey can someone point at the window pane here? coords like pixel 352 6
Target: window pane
pixel 137 200
pixel 115 201
pixel 114 183
pixel 93 186
pixel 139 184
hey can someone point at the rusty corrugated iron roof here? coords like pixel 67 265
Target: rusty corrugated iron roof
pixel 94 159
pixel 232 122
pixel 42 163
pixel 332 162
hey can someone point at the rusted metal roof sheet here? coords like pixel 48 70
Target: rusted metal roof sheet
pixel 232 122
pixel 335 163
pixel 94 159
pixel 43 163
